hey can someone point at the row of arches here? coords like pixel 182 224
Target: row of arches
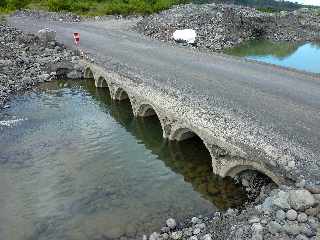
pixel 180 133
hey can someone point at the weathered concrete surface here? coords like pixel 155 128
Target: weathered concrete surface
pixel 249 115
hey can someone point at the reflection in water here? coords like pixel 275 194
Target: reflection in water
pixel 302 56
pixel 190 158
pixel 82 167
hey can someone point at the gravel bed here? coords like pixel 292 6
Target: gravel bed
pixel 224 26
pixel 26 60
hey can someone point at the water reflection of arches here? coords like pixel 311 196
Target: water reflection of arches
pixel 189 158
pixel 196 168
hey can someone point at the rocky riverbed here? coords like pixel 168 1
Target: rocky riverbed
pixel 27 60
pixel 223 26
pixel 287 213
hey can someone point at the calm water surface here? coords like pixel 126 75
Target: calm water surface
pixel 76 165
pixel 304 56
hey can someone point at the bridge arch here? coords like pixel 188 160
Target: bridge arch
pixel 120 94
pixel 101 82
pixel 147 110
pixel 235 168
pixel 183 133
pixel 88 74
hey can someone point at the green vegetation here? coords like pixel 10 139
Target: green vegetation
pixel 11 5
pixel 93 7
pixel 126 7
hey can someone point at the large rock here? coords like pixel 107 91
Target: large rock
pixel 301 199
pixel 281 200
pixel 46 35
pixel 185 35
pixel 75 75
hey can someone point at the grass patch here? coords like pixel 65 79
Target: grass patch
pixel 268 10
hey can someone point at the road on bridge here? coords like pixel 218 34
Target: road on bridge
pixel 284 101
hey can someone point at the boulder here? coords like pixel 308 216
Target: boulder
pixel 171 223
pixel 74 75
pixel 185 35
pixel 301 199
pixel 47 35
pixel 281 200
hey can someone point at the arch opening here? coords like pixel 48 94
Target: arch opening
pixel 193 144
pixel 88 74
pixel 185 134
pixel 121 95
pixel 146 111
pixel 101 83
pixel 151 120
pixel 256 182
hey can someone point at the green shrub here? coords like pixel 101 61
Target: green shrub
pixel 267 10
pixel 59 5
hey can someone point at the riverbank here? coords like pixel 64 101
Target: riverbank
pixel 26 61
pixel 287 213
pixel 219 27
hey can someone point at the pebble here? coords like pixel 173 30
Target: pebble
pixel 302 217
pixel 257 231
pixel 195 220
pixel 207 237
pixel 176 235
pixel 274 227
pixel 291 215
pixel 171 223
pixel 301 237
pixel 196 231
pixel 154 236
pixel 280 215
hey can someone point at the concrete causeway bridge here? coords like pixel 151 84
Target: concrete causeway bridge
pixel 249 115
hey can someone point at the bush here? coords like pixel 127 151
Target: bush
pixel 14 4
pixel 59 5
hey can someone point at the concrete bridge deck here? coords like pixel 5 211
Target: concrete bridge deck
pixel 249 115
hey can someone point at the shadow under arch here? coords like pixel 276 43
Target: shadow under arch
pixel 88 74
pixel 121 94
pixel 146 112
pixel 237 169
pixel 101 83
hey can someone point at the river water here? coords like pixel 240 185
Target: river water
pixel 76 165
pixel 301 56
